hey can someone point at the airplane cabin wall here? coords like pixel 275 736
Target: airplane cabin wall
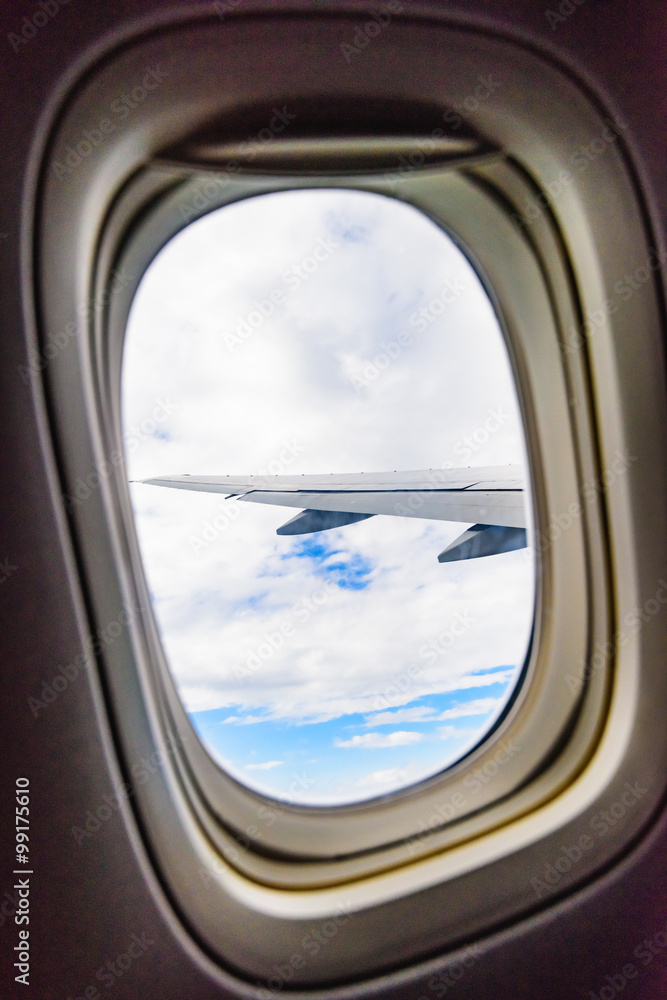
pixel 89 900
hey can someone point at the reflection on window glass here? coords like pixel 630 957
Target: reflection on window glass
pixel 328 334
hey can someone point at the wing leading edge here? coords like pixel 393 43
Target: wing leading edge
pixel 491 497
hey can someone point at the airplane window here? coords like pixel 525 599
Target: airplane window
pixel 329 487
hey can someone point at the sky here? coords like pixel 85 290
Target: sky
pixel 322 331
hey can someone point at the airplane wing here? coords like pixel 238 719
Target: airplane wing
pixel 491 497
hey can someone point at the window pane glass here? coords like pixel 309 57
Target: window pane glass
pixel 328 333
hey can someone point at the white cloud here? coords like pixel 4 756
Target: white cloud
pixel 447 732
pixel 264 767
pixel 243 720
pixel 420 714
pixel 392 777
pixel 479 707
pixel 373 741
pixel 424 713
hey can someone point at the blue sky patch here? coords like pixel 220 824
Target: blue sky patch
pixel 348 754
pixel 350 572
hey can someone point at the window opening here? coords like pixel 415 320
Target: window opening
pixel 315 384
